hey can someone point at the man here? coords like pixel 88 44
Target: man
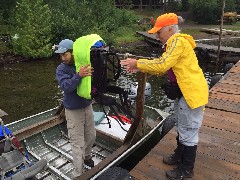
pixel 180 61
pixel 78 110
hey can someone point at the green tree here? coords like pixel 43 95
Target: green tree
pixel 231 5
pixel 75 18
pixel 71 19
pixel 6 9
pixel 208 12
pixel 33 29
pixel 185 5
pixel 205 12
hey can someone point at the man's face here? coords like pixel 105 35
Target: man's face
pixel 67 57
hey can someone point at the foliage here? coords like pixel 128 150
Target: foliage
pixel 33 29
pixel 185 5
pixel 238 6
pixel 68 19
pixel 86 17
pixel 205 12
pixel 209 12
pixel 6 9
pixel 230 5
pixel 173 6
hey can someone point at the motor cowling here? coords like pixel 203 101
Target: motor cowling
pixel 132 93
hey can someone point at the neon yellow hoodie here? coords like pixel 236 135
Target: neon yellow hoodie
pixel 81 53
pixel 181 57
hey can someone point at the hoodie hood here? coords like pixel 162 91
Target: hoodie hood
pixel 189 38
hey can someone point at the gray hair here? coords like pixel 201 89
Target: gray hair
pixel 175 28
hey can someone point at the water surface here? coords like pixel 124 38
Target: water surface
pixel 28 88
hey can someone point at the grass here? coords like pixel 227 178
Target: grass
pixel 128 34
pixel 191 31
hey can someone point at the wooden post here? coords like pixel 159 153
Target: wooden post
pixel 136 130
pixel 220 34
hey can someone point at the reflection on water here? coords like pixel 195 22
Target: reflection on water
pixel 30 87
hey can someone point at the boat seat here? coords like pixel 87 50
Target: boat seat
pixel 13 159
pixel 30 172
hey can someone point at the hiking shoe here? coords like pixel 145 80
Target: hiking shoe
pixel 89 163
pixel 178 174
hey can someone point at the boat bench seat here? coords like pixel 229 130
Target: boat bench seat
pixel 13 159
pixel 30 172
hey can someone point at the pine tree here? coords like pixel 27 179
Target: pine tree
pixel 33 29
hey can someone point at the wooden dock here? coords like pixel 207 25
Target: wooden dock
pixel 224 50
pixel 218 153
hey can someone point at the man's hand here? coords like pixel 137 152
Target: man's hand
pixel 130 65
pixel 85 71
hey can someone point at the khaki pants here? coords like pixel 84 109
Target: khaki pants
pixel 82 135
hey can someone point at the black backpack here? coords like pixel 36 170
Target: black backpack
pixel 107 69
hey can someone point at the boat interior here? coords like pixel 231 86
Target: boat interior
pixel 44 137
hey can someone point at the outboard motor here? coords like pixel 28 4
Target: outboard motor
pixel 132 94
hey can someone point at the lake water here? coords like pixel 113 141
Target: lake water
pixel 28 88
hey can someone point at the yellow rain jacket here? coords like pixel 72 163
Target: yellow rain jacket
pixel 181 57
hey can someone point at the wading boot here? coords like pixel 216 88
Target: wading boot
pixel 175 158
pixel 185 168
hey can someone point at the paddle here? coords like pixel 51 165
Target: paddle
pixel 136 129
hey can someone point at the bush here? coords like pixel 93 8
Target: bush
pixel 205 12
pixel 32 29
pixel 209 12
pixel 86 17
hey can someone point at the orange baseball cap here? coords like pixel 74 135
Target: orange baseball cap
pixel 164 20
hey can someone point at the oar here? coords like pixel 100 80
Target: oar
pixel 136 129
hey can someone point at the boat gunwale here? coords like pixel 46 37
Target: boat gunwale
pixel 32 116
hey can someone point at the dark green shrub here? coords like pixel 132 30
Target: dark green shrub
pixel 209 12
pixel 32 29
pixel 205 12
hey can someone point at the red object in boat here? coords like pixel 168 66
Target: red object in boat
pixel 123 118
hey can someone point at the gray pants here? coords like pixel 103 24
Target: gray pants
pixel 82 135
pixel 188 123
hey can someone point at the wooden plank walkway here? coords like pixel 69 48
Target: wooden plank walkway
pixel 152 38
pixel 218 153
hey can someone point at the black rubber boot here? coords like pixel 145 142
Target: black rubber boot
pixel 89 162
pixel 185 168
pixel 175 158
